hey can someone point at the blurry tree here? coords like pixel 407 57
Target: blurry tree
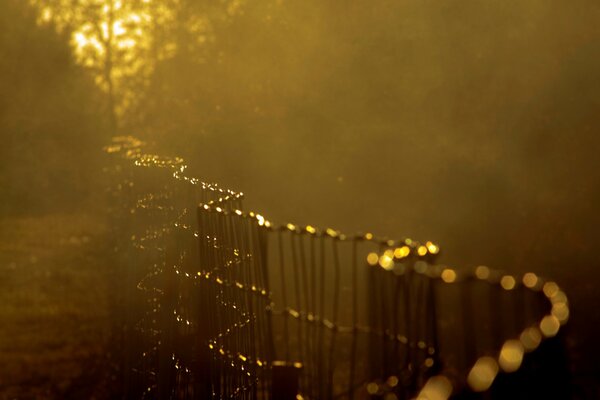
pixel 49 125
pixel 186 85
pixel 119 41
pixel 162 63
pixel 222 75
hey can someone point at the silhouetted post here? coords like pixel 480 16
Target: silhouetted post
pixel 166 371
pixel 285 378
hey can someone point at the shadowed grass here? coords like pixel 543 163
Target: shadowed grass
pixel 54 308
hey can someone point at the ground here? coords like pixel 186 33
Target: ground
pixel 54 308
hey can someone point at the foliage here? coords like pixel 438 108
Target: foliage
pixel 49 124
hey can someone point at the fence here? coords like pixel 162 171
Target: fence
pixel 217 302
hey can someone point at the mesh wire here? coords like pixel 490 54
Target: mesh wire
pixel 213 299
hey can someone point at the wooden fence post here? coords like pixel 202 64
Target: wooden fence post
pixel 285 377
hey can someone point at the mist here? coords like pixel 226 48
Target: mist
pixel 473 124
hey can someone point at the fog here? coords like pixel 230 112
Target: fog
pixel 470 123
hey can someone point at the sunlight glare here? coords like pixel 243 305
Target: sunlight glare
pixel 80 40
pixel 482 374
pixel 46 15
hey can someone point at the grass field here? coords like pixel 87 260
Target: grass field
pixel 56 281
pixel 54 308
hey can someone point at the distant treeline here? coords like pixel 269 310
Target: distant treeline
pixel 50 124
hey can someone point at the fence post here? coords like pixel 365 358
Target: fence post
pixel 285 377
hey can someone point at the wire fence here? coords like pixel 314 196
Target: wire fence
pixel 218 302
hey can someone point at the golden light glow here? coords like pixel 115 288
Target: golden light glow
pixel 549 326
pixel 402 252
pixel 482 272
pixel 550 288
pixel 436 388
pixel 432 248
pixel 561 312
pixel 372 388
pixel 126 44
pixel 422 250
pixel 392 381
pixel 482 374
pixel 448 275
pixel 46 15
pixel 372 258
pixel 118 29
pixel 368 236
pixel 279 363
pixel 531 338
pixel 80 39
pixel 507 282
pixel 559 297
pixel 386 262
pixel 530 280
pixel 511 356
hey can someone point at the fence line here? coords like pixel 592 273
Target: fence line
pixel 221 303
